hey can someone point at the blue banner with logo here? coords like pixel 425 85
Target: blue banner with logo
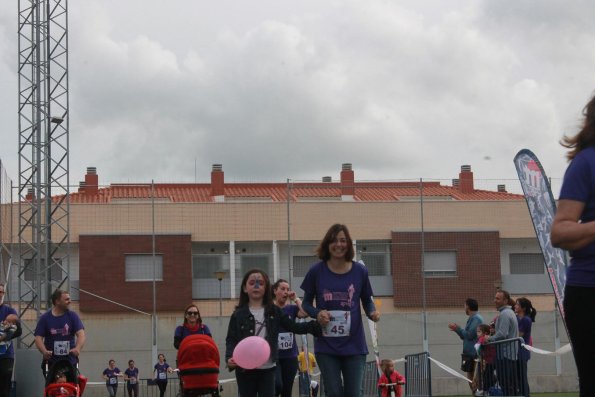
pixel 542 207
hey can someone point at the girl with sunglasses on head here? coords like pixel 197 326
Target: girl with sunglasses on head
pixel 192 325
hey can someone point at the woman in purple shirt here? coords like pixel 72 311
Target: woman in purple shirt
pixel 131 378
pixel 110 375
pixel 525 314
pixel 160 372
pixel 339 284
pixel 573 229
pixel 287 364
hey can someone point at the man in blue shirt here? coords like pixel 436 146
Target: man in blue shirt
pixel 469 337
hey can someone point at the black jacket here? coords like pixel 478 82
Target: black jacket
pixel 242 325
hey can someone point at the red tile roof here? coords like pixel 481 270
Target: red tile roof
pixel 277 192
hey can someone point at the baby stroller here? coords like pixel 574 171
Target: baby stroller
pixel 198 365
pixel 63 380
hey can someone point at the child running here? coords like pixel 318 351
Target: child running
pixel 390 381
pixel 256 315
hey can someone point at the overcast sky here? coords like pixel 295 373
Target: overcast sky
pixel 278 89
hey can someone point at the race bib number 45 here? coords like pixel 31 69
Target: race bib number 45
pixel 340 324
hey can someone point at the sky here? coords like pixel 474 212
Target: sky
pixel 279 89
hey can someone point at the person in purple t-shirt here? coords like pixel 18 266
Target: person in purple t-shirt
pixel 59 333
pixel 339 284
pixel 160 371
pixel 287 364
pixel 525 315
pixel 573 229
pixel 7 348
pixel 110 375
pixel 131 378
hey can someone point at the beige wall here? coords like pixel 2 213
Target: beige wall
pixel 309 221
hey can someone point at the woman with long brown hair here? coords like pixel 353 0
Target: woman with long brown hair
pixel 573 229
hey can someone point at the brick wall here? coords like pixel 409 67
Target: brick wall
pixel 478 268
pixel 102 272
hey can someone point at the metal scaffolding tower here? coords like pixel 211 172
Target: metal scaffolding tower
pixel 43 190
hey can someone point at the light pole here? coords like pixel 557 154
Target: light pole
pixel 220 275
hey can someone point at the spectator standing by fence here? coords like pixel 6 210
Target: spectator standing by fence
pixel 469 337
pixel 506 355
pixel 525 313
pixel 573 229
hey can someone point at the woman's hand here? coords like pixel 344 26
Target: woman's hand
pixel 231 364
pixel 375 316
pixel 323 318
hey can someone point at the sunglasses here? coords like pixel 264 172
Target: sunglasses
pixel 192 313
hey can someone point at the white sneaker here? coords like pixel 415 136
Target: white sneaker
pixel 479 392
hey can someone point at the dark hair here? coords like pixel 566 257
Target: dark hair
pixel 161 354
pixel 527 307
pixel 131 361
pixel 57 294
pixel 267 298
pixel 199 319
pixel 586 136
pixel 484 328
pixel 111 360
pixel 323 251
pixel 472 304
pixel 278 282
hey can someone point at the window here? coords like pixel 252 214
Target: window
pixel 55 271
pixel 376 262
pixel 376 256
pixel 302 263
pixel 256 261
pixel 440 263
pixel 139 267
pixel 526 264
pixel 204 266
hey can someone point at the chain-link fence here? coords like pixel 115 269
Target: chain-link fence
pixel 428 245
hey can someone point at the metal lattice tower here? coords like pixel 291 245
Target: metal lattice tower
pixel 43 189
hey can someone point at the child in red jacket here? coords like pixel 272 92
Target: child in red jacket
pixel 390 382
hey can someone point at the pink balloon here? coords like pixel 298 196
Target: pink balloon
pixel 251 352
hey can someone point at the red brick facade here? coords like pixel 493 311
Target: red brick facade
pixel 478 268
pixel 103 272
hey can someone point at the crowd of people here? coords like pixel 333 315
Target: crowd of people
pixel 335 289
pixel 489 365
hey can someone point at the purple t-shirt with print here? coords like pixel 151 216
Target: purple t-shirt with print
pixel 579 185
pixel 112 376
pixel 340 294
pixel 59 334
pixel 287 343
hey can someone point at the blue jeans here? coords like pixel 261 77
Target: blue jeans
pixel 352 369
